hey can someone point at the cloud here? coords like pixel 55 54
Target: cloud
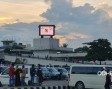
pixel 20 32
pixel 84 21
pixel 86 14
pixel 70 36
pixel 76 36
pixel 74 25
pixel 26 11
pixel 61 38
pixel 106 8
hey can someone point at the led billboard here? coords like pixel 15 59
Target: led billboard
pixel 46 30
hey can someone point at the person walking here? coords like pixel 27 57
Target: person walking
pixel 17 76
pixel 39 74
pixel 32 74
pixel 11 74
pixel 108 80
pixel 23 74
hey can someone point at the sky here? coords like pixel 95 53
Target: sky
pixel 76 21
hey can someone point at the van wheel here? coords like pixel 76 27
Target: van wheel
pixel 79 85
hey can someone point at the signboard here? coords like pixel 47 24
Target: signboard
pixel 46 30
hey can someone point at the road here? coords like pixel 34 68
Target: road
pixel 55 83
pixel 51 83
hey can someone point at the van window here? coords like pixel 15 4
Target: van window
pixel 110 68
pixel 96 69
pixel 78 70
pixel 86 70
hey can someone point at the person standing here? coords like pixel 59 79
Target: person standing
pixel 23 74
pixel 39 74
pixel 11 74
pixel 32 74
pixel 108 80
pixel 17 76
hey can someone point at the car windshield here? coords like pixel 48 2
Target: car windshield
pixel 64 70
pixel 44 69
pixel 53 69
pixel 2 69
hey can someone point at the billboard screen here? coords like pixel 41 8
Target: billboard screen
pixel 46 30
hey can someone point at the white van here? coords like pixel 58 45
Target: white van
pixel 88 76
pixel 4 76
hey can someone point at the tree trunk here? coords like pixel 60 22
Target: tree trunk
pixel 100 62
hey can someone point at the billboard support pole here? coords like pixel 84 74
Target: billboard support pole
pixel 42 36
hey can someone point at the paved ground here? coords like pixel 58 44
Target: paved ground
pixel 51 83
pixel 55 83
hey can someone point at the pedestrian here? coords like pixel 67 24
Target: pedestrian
pixel 23 74
pixel 39 74
pixel 108 80
pixel 32 74
pixel 11 75
pixel 17 76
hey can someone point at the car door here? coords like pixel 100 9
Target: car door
pixel 5 76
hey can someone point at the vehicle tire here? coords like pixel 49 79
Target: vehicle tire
pixel 79 85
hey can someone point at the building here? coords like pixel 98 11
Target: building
pixel 12 45
pixel 48 48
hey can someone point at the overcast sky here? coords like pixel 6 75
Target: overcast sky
pixel 76 21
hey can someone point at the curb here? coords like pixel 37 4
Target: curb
pixel 40 87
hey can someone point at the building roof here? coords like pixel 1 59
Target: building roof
pixel 4 47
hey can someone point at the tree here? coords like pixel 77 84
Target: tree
pixel 65 45
pixel 83 49
pixel 7 50
pixel 99 50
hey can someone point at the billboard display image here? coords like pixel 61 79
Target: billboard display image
pixel 46 30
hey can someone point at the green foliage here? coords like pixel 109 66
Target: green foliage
pixel 84 49
pixel 7 50
pixel 20 61
pixel 65 45
pixel 99 50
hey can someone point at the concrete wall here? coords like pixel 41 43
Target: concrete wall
pixel 38 61
pixel 45 43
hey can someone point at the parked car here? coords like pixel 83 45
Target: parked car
pixel 63 73
pixel 54 74
pixel 45 72
pixel 66 67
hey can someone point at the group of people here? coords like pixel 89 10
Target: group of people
pixel 39 74
pixel 17 75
